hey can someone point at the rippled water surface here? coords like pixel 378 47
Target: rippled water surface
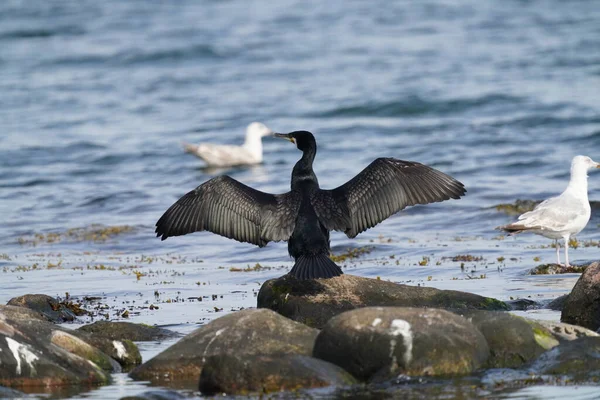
pixel 96 98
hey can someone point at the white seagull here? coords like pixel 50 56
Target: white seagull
pixel 218 155
pixel 561 216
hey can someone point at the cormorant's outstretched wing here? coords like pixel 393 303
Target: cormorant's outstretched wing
pixel 229 208
pixel 383 188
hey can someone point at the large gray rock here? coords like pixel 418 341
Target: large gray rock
pixel 244 332
pixel 582 307
pixel 578 359
pixel 124 351
pixel 243 374
pixel 35 352
pixel 127 331
pixel 378 343
pixel 314 302
pixel 513 341
pixel 51 308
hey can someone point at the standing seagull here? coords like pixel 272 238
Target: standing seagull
pixel 561 216
pixel 306 214
pixel 218 155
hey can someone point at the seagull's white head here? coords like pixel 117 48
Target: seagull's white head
pixel 585 162
pixel 258 130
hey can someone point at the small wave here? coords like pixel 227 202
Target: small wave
pixel 33 33
pixel 28 183
pixel 416 105
pixel 133 57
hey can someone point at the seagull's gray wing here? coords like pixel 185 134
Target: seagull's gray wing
pixel 383 188
pixel 229 208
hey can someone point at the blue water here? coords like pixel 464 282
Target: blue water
pixel 96 98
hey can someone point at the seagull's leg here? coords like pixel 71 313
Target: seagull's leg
pixel 567 251
pixel 557 251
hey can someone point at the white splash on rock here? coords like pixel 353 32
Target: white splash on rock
pixel 217 334
pixel 22 351
pixel 400 327
pixel 376 322
pixel 120 347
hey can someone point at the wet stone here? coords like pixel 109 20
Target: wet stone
pixel 314 302
pixel 48 306
pixel 160 395
pixel 513 341
pixel 125 352
pixel 577 359
pixel 37 353
pixel 127 330
pixel 582 307
pixel 244 374
pixel 555 269
pixel 380 343
pixel 250 331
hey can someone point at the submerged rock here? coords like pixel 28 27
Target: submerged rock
pixel 378 343
pixel 558 303
pixel 582 307
pixel 244 332
pixel 578 359
pixel 127 330
pixel 161 394
pixel 8 393
pixel 314 302
pixel 513 341
pixel 35 352
pixel 48 306
pixel 243 374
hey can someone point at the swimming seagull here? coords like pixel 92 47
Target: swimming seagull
pixel 306 214
pixel 218 155
pixel 561 216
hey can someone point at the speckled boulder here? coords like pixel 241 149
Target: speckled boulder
pixel 378 343
pixel 243 374
pixel 314 302
pixel 582 307
pixel 244 332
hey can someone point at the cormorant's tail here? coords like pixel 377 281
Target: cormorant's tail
pixel 313 267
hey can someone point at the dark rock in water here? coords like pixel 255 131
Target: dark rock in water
pixel 314 302
pixel 558 303
pixel 518 207
pixel 244 332
pixel 513 341
pixel 125 352
pixel 243 374
pixel 578 359
pixel 35 352
pixel 583 305
pixel 159 395
pixel 378 343
pixel 49 306
pixel 8 393
pixel 566 332
pixel 127 330
pixel 523 304
pixel 555 269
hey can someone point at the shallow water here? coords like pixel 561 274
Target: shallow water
pixel 98 96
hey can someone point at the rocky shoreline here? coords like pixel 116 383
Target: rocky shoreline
pixel 340 333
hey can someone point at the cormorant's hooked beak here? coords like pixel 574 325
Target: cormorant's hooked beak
pixel 285 136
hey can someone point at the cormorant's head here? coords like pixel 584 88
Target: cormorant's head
pixel 304 140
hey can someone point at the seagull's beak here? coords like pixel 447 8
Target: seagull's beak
pixel 285 136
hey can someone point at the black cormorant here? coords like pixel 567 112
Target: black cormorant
pixel 306 214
